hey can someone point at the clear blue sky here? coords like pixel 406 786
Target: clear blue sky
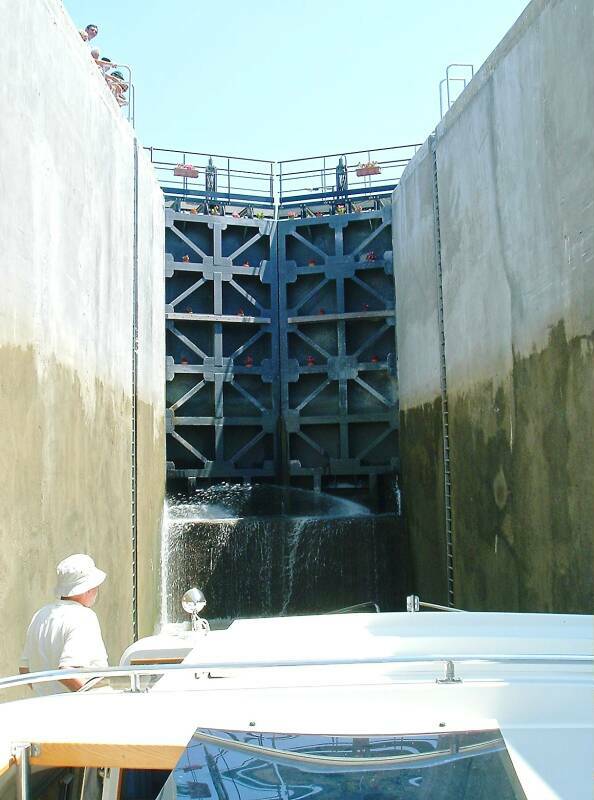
pixel 277 79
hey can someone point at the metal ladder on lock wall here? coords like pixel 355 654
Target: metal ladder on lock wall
pixel 447 478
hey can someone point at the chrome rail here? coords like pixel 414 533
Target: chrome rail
pixel 440 608
pixel 357 607
pixel 21 754
pixel 414 604
pixel 314 762
pixel 133 673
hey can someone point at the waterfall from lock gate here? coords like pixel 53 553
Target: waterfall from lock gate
pixel 266 550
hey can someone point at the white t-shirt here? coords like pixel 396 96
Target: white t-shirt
pixel 62 634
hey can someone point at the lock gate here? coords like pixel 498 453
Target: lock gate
pixel 281 352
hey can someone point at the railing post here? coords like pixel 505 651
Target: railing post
pixel 21 753
pixel 412 603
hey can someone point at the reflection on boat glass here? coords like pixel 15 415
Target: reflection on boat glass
pixel 257 766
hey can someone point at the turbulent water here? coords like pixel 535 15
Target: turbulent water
pixel 265 550
pixel 231 501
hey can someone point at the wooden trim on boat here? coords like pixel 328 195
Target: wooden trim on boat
pixel 6 766
pixel 137 662
pixel 127 756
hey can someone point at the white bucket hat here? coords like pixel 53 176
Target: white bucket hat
pixel 77 574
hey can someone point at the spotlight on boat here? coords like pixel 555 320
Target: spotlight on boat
pixel 193 602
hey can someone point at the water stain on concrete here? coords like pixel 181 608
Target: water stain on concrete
pixel 500 489
pixel 66 488
pixel 522 484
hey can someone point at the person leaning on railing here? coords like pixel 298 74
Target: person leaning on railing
pixel 103 62
pixel 115 80
pixel 117 84
pixel 66 634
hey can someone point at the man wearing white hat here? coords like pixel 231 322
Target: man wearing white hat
pixel 66 634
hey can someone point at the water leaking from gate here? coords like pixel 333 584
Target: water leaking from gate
pixel 265 550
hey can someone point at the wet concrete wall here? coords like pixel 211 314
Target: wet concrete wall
pixel 515 182
pixel 80 216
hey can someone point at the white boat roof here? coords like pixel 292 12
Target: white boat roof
pixel 544 710
pixel 334 636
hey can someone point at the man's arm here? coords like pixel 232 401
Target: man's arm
pixel 74 684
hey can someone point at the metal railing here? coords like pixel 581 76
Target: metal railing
pixel 342 177
pixel 358 608
pixel 448 82
pixel 316 762
pixel 215 179
pixel 135 673
pixel 414 604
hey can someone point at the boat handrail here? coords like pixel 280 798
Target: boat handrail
pixel 313 761
pixel 414 604
pixel 134 673
pixel 357 607
pixel 437 607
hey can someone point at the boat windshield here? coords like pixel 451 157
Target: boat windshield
pixel 260 766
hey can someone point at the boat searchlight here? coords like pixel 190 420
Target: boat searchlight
pixel 193 602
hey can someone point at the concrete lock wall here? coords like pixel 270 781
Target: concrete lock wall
pixel 68 223
pixel 515 177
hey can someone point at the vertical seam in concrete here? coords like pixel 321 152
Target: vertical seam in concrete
pixel 447 478
pixel 134 438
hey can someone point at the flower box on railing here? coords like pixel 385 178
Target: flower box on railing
pixel 186 171
pixel 368 169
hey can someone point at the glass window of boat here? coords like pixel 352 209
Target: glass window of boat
pixel 267 766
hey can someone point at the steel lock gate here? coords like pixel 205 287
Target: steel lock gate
pixel 281 348
pixel 222 347
pixel 337 346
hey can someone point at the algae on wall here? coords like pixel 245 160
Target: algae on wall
pixel 523 470
pixel 421 458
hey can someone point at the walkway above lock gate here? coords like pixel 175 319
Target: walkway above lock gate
pixel 324 184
